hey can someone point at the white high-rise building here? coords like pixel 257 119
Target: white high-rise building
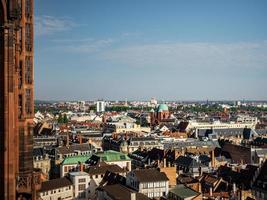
pixel 100 106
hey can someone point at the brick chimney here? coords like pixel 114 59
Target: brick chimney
pixel 212 156
pixel 81 167
pixel 68 141
pixel 133 196
pixel 80 139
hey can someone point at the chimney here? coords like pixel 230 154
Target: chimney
pixel 133 196
pixel 212 159
pixel 68 141
pixel 80 139
pixel 164 162
pixel 211 191
pixel 81 167
pixel 234 188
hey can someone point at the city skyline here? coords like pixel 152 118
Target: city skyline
pixel 180 50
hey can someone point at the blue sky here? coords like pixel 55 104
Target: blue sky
pixel 171 50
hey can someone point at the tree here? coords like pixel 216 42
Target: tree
pixel 65 119
pixel 60 119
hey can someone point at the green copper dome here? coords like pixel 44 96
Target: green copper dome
pixel 162 107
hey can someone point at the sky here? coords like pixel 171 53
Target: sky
pixel 167 49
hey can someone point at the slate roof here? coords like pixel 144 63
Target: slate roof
pixel 93 170
pixel 183 191
pixel 55 184
pixel 261 152
pixel 261 131
pixel 222 132
pixel 38 152
pixel 72 148
pixel 242 178
pixel 185 179
pixel 188 162
pixel 111 178
pixel 120 192
pixel 261 180
pixel 135 139
pixel 191 142
pixel 149 175
pixel 204 159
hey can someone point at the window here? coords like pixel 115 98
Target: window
pixel 81 195
pixel 28 37
pixel 82 180
pixel 81 187
pixel 28 101
pixel 28 70
pixel 20 106
pixel 28 8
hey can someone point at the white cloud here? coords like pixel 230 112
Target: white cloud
pixel 46 25
pixel 192 56
pixel 89 46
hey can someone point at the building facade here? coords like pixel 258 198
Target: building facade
pixel 150 182
pixel 100 106
pixel 61 188
pixel 80 181
pixel 17 179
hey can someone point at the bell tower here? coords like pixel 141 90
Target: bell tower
pixel 17 177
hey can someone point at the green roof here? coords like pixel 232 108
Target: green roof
pixel 183 192
pixel 111 155
pixel 162 107
pixel 75 159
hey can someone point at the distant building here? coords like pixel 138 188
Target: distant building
pixel 55 189
pixel 182 192
pixel 132 144
pixel 118 192
pixel 41 161
pixel 153 102
pixel 162 114
pixel 73 164
pixel 97 173
pixel 149 182
pixel 80 181
pixel 110 157
pixel 100 106
pixel 259 188
pixel 190 166
pixel 73 150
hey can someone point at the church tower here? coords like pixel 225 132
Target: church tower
pixel 17 177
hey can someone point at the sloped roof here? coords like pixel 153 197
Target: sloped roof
pixel 72 148
pixel 183 191
pixel 120 192
pixel 75 159
pixel 55 184
pixel 149 175
pixel 110 156
pixel 102 169
pixel 162 107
